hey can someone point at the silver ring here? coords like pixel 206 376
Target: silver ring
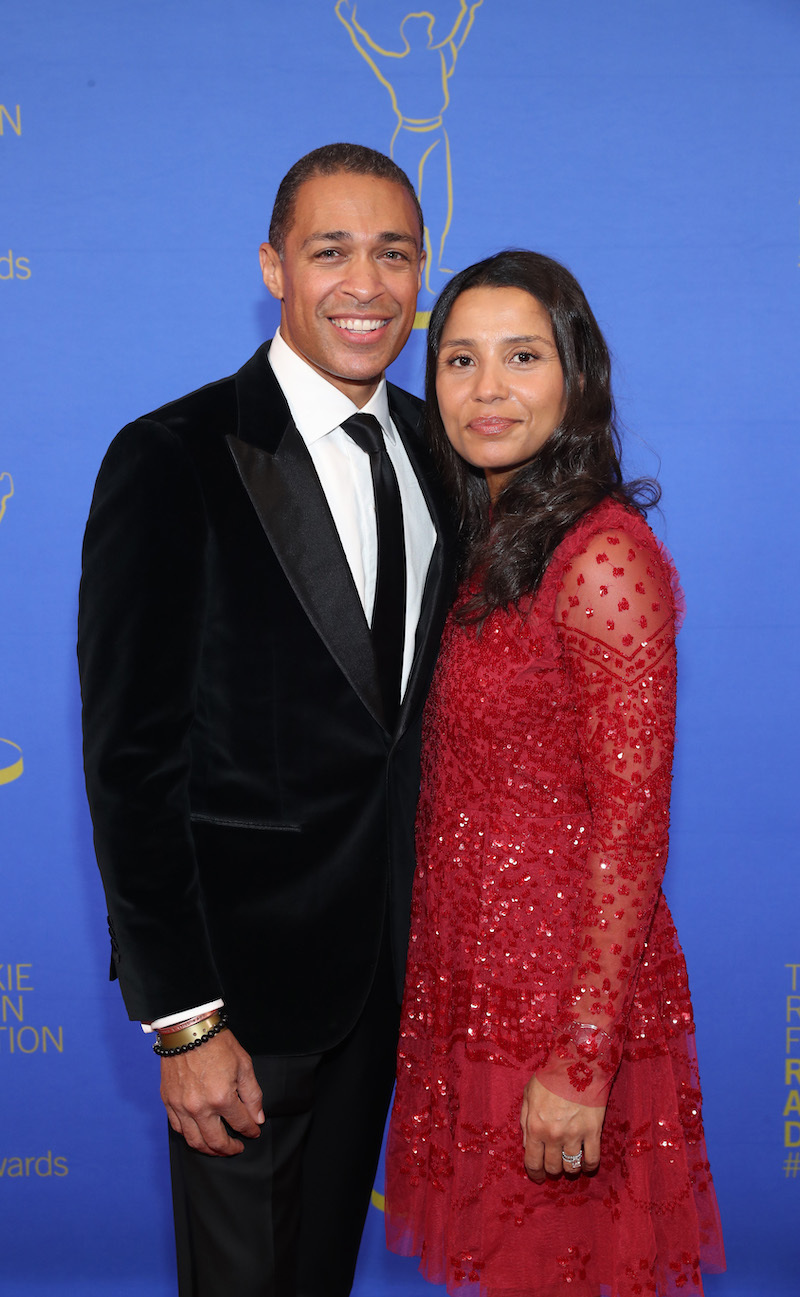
pixel 573 1160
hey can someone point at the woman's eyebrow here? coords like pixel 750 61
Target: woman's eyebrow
pixel 513 338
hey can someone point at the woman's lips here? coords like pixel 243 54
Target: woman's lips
pixel 490 427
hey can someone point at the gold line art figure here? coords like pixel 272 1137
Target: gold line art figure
pixel 6 491
pixel 10 753
pixel 417 77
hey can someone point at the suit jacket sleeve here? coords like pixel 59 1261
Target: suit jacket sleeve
pixel 139 638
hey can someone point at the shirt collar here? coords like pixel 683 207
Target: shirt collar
pixel 316 406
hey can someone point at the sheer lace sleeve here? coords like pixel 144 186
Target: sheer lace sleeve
pixel 616 619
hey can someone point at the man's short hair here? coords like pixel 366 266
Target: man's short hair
pixel 329 161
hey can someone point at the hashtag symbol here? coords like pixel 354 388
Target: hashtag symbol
pixel 791 1166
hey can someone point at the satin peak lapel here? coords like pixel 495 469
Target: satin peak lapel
pixel 431 616
pixel 291 506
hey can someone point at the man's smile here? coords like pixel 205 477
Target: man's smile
pixel 357 324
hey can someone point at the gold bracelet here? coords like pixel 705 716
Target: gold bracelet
pixel 187 1035
pixel 175 1027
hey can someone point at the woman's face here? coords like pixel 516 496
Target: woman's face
pixel 499 381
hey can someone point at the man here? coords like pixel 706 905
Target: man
pixel 259 621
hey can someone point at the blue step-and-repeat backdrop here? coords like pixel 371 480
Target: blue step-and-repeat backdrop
pixel 650 144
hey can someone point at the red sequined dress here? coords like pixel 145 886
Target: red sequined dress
pixel 542 839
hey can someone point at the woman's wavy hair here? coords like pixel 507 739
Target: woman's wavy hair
pixel 510 544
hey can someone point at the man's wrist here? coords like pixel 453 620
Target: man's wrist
pixel 176 1027
pixel 183 1018
pixel 190 1037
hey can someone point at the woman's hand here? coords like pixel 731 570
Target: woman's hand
pixel 552 1126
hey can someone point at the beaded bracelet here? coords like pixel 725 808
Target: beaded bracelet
pixel 217 1023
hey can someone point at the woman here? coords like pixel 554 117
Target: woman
pixel 545 985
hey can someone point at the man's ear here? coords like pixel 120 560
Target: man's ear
pixel 271 270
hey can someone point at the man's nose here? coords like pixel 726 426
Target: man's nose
pixel 363 279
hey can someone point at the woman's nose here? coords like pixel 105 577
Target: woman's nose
pixel 491 381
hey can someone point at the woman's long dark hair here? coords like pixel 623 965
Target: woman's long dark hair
pixel 578 466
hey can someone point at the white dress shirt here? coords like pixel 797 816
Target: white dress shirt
pixel 319 409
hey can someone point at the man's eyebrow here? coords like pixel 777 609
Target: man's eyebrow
pixel 345 236
pixel 328 236
pixel 391 237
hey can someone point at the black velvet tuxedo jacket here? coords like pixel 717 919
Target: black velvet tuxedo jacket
pixel 253 815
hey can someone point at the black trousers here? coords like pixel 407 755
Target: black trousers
pixel 284 1218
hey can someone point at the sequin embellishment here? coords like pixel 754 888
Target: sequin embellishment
pixel 541 942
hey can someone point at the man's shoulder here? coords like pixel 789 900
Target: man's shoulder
pixel 206 407
pixel 211 411
pixel 181 432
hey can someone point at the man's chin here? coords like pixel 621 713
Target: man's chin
pixel 362 368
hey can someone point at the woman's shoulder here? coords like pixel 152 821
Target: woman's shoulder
pixel 611 517
pixel 613 544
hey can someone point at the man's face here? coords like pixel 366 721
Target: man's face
pixel 349 278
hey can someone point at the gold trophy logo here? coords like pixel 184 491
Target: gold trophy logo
pixel 417 76
pixel 10 753
pixel 6 492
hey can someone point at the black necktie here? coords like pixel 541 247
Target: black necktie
pixel 389 615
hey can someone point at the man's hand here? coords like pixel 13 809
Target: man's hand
pixel 551 1125
pixel 211 1086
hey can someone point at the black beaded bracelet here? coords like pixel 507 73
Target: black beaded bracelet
pixel 192 1044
